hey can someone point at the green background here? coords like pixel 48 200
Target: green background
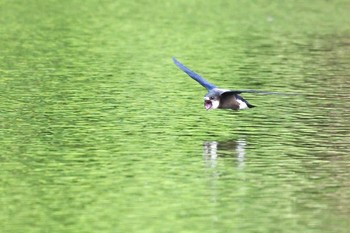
pixel 100 132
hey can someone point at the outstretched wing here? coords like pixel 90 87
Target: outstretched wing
pixel 257 92
pixel 195 76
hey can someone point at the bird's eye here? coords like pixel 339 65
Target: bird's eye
pixel 211 97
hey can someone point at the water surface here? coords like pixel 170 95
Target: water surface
pixel 100 132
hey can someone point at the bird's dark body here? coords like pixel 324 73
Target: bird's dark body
pixel 230 102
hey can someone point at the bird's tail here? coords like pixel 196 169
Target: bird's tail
pixel 250 105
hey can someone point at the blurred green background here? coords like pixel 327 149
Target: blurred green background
pixel 100 132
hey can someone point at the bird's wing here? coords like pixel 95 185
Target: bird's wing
pixel 195 76
pixel 257 92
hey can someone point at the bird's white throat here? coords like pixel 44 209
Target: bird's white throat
pixel 214 103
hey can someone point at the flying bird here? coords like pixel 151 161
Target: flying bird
pixel 218 98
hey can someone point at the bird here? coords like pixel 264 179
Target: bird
pixel 218 98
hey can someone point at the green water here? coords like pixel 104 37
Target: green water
pixel 100 132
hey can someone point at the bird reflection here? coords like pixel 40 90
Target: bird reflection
pixel 226 151
pixel 235 149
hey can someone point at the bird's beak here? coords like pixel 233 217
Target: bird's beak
pixel 207 103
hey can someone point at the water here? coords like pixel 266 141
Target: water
pixel 100 132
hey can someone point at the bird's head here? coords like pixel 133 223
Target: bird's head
pixel 211 100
